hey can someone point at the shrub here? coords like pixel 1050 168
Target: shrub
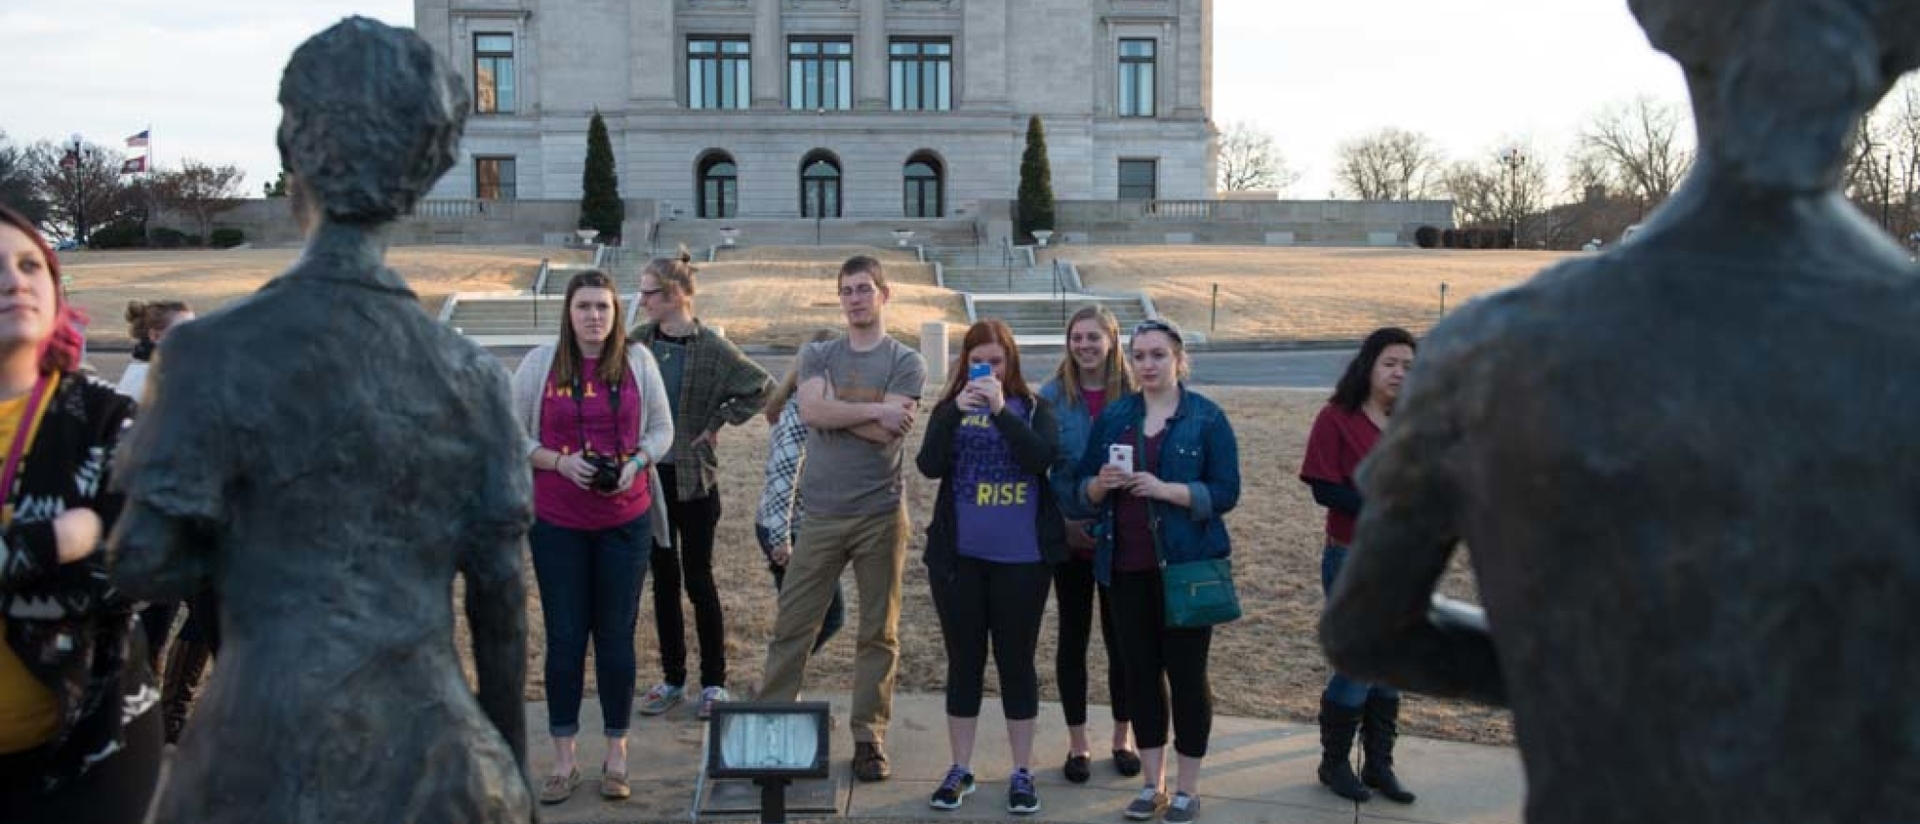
pixel 1450 239
pixel 124 235
pixel 164 238
pixel 227 238
pixel 1036 182
pixel 1426 237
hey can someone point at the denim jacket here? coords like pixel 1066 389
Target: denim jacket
pixel 1199 451
pixel 1075 426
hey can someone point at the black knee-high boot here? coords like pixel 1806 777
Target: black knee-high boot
pixel 1337 727
pixel 1380 725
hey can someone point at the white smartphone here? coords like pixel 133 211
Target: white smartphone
pixel 1121 455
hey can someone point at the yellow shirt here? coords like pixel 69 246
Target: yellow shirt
pixel 29 712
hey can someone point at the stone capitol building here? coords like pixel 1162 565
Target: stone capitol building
pixel 869 109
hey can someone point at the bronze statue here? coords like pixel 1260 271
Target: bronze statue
pixel 325 457
pixel 1686 469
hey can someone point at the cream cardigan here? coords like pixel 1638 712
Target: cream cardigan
pixel 656 417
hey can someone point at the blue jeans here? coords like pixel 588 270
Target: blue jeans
pixel 1342 690
pixel 836 611
pixel 590 587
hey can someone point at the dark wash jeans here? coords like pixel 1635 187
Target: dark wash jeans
pixel 1346 692
pixel 590 588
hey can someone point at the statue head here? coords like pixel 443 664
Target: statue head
pixel 1778 85
pixel 370 118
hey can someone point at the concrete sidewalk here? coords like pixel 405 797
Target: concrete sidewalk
pixel 1257 772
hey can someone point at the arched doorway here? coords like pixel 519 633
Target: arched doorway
pixel 820 185
pixel 925 186
pixel 719 195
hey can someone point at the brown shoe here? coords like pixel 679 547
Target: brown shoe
pixel 870 762
pixel 557 788
pixel 614 786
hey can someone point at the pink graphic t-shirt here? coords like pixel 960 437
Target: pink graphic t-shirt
pixel 590 423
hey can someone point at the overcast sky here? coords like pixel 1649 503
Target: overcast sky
pixel 1476 75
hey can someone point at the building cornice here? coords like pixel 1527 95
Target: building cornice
pixel 492 14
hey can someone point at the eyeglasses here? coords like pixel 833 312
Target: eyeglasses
pixel 1158 325
pixel 862 290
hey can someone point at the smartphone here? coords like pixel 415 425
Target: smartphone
pixel 1121 455
pixel 979 370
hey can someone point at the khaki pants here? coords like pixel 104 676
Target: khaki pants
pixel 876 546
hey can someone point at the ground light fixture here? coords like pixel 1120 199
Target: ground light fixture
pixel 771 744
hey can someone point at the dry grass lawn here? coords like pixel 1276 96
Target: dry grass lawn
pixel 1302 293
pixel 776 300
pixel 103 282
pixel 1266 665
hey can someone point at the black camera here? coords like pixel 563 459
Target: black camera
pixel 606 473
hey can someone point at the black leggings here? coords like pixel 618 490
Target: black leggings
pixel 999 602
pixel 114 791
pixel 1162 662
pixel 694 523
pixel 1074 589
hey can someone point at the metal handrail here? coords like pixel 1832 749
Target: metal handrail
pixel 539 288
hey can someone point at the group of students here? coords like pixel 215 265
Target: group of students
pixel 620 431
pixel 1028 504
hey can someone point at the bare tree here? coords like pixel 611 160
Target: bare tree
pixel 1882 175
pixel 1390 164
pixel 1642 148
pixel 83 191
pixel 17 189
pixel 1504 188
pixel 1249 161
pixel 198 191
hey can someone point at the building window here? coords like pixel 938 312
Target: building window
pixel 820 74
pixel 493 73
pixel 924 186
pixel 820 185
pixel 1136 78
pixel 1138 179
pixel 719 186
pixel 719 73
pixel 922 74
pixel 493 178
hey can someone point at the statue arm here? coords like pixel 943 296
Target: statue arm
pixel 159 557
pixel 496 606
pixel 1383 621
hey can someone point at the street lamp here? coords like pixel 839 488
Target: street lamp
pixel 1512 158
pixel 77 148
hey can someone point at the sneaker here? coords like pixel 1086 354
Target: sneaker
pixel 1021 799
pixel 661 698
pixel 1183 809
pixel 956 787
pixel 709 697
pixel 1146 805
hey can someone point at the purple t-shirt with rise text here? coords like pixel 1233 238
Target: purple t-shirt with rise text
pixel 995 503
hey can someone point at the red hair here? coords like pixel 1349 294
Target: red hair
pixel 981 333
pixel 61 350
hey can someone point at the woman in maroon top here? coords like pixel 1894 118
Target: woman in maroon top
pixel 596 417
pixel 1342 436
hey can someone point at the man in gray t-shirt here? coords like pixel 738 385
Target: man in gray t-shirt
pixel 857 397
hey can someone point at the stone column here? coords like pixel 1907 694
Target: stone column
pixel 933 347
pixel 870 56
pixel 655 71
pixel 983 57
pixel 769 55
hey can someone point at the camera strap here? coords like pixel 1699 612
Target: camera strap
pixel 580 415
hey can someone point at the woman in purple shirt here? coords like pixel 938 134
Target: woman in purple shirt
pixel 995 535
pixel 595 414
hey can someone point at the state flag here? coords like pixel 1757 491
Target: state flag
pixel 134 166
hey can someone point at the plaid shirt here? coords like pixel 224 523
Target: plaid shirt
pixel 720 386
pixel 779 513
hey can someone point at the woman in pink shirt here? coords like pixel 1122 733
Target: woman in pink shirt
pixel 595 415
pixel 1342 436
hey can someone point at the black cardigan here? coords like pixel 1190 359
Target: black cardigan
pixel 70 627
pixel 1034 443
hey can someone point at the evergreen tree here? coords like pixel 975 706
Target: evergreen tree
pixel 1036 182
pixel 600 205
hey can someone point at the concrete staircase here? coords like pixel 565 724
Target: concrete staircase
pixel 1041 320
pixel 698 235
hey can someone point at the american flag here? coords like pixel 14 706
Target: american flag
pixel 138 140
